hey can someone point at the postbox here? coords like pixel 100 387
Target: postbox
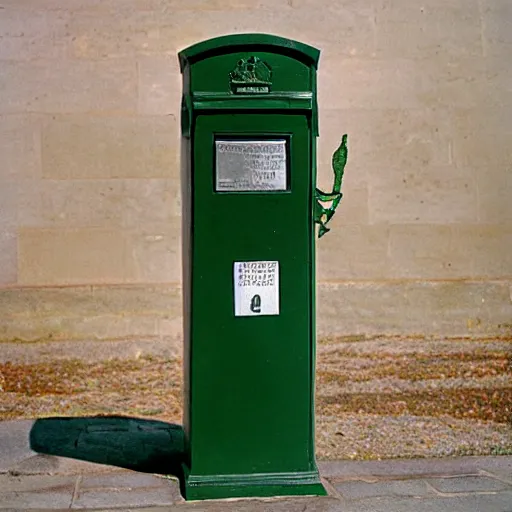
pixel 249 128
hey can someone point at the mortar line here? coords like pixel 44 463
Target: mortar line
pixel 76 490
pixel 483 27
pixel 489 474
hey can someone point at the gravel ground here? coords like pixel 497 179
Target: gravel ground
pixel 394 385
pixel 375 398
pixel 367 436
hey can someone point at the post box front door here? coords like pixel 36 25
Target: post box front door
pixel 252 237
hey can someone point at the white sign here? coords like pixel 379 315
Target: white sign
pixel 256 288
pixel 247 165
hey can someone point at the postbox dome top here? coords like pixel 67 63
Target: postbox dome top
pixel 237 42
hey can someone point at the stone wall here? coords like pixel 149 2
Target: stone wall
pixel 89 162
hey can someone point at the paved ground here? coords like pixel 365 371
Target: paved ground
pixel 30 480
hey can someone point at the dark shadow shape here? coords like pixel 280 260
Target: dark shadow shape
pixel 141 445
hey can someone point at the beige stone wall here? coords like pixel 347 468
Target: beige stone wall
pixel 89 159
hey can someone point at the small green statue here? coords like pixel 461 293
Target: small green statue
pixel 321 214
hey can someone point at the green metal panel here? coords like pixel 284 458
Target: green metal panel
pixel 251 408
pixel 288 74
pixel 206 68
pixel 241 42
pixel 249 380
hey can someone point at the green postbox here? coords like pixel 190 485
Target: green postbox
pixel 249 126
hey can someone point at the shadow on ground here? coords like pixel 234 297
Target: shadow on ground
pixel 132 443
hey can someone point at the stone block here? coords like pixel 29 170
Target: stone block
pixel 14 440
pixel 358 83
pixel 73 256
pixel 128 488
pixel 494 192
pixel 425 195
pixel 164 300
pixel 401 469
pixel 412 30
pixel 32 33
pixel 499 108
pixel 20 147
pixel 58 327
pixel 89 301
pixel 91 351
pixel 8 205
pixel 129 479
pixel 153 203
pixel 121 32
pixel 8 256
pixel 430 252
pixel 490 503
pixel 39 483
pixel 79 256
pixel 349 26
pixel 159 85
pixel 468 483
pixel 100 148
pixel 126 498
pixel 481 137
pixel 447 308
pixel 170 326
pixel 497 27
pixel 69 86
pixel 90 313
pixel 499 87
pixel 122 203
pixel 318 27
pixel 101 7
pixel 164 29
pixel 490 245
pixel 386 137
pixel 155 256
pixel 58 5
pixel 445 83
pixel 42 464
pixel 433 252
pixel 106 327
pixel 353 252
pixel 54 203
pixel 36 500
pixel 216 5
pixel 358 489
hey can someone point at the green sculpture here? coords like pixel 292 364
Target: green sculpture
pixel 321 214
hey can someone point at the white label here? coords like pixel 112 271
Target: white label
pixel 256 288
pixel 245 165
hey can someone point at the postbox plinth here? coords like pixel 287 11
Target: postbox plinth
pixel 252 485
pixel 249 124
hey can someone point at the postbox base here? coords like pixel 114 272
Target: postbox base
pixel 207 487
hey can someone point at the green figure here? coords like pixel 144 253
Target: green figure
pixel 321 214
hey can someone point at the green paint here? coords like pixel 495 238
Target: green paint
pixel 236 43
pixel 251 76
pixel 249 380
pixel 323 215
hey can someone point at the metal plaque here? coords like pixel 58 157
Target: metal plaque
pixel 247 165
pixel 256 288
